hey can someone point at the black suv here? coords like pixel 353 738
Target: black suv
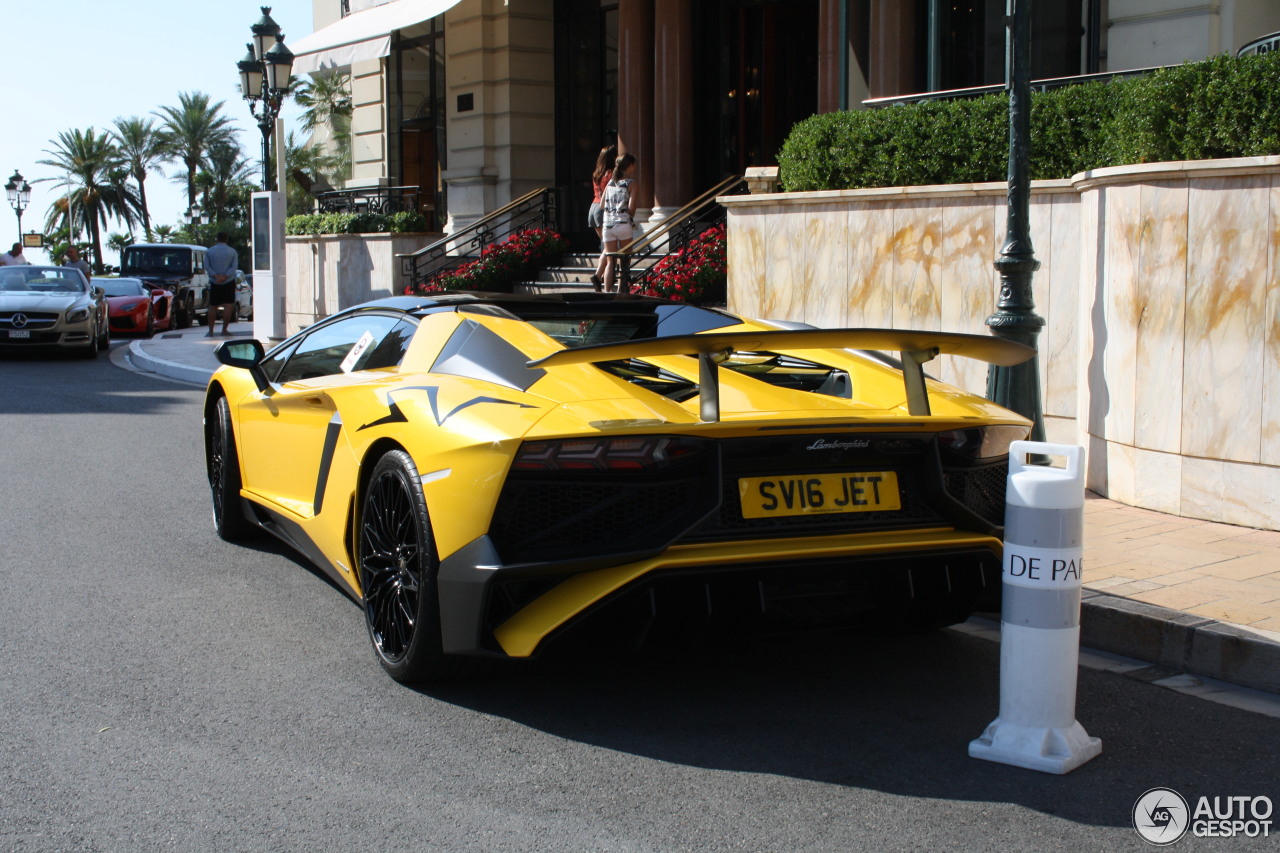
pixel 177 267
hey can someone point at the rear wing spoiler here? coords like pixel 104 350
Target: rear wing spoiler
pixel 711 349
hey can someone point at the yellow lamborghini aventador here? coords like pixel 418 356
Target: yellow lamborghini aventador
pixel 491 474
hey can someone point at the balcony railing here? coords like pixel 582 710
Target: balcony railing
pixel 369 200
pixel 1042 85
pixel 537 209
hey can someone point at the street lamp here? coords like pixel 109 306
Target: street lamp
pixel 264 77
pixel 1018 387
pixel 193 218
pixel 19 192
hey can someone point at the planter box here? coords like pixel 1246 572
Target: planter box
pixel 1159 284
pixel 330 272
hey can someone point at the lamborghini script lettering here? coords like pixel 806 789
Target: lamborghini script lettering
pixel 824 444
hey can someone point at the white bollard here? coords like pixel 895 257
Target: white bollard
pixel 1040 617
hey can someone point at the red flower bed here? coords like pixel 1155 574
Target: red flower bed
pixel 500 264
pixel 693 274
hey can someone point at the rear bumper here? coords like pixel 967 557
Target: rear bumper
pixel 818 581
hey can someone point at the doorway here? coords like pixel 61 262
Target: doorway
pixel 758 81
pixel 586 52
pixel 420 168
pixel 418 151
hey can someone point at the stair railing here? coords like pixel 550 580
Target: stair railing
pixel 537 209
pixel 636 261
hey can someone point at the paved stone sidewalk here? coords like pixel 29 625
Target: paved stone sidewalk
pixel 1218 571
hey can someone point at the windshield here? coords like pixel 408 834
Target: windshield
pixel 26 279
pixel 159 260
pixel 122 286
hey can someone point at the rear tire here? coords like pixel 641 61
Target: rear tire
pixel 223 464
pixel 398 566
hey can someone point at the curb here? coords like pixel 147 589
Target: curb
pixel 1181 641
pixel 170 369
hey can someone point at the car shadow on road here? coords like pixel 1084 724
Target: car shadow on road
pixel 889 714
pixel 51 382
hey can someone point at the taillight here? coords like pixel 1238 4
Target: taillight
pixel 632 453
pixel 983 442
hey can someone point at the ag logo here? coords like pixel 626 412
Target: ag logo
pixel 1161 816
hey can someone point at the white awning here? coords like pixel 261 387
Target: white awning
pixel 362 35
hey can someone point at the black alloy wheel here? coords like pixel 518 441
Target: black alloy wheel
pixel 181 314
pixel 398 576
pixel 151 324
pixel 223 464
pixel 104 339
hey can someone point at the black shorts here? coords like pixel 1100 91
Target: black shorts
pixel 222 294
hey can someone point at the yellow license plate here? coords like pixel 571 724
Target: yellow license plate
pixel 819 494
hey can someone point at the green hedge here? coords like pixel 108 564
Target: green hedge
pixel 354 223
pixel 1219 107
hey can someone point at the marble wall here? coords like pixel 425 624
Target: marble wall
pixel 327 273
pixel 1159 284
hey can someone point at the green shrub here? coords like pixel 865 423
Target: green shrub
pixel 1069 129
pixel 355 223
pixel 1219 107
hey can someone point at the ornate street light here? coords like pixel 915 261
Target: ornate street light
pixel 1018 387
pixel 192 218
pixel 19 192
pixel 264 80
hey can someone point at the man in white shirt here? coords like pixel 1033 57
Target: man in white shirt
pixel 13 257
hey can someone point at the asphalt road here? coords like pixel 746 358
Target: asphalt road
pixel 163 690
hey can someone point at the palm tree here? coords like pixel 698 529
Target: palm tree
pixel 226 170
pixel 190 130
pixel 326 103
pixel 96 185
pixel 163 233
pixel 119 242
pixel 325 100
pixel 302 164
pixel 142 145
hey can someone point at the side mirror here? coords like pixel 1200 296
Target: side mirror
pixel 99 293
pixel 246 354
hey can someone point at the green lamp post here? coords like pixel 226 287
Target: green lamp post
pixel 1018 387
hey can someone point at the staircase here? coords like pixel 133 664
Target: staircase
pixel 573 275
pixel 539 209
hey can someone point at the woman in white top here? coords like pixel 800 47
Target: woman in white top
pixel 618 208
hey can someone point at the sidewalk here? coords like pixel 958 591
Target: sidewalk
pixel 1182 594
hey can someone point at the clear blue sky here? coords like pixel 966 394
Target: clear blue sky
pixel 81 63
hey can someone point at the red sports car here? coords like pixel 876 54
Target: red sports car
pixel 135 307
